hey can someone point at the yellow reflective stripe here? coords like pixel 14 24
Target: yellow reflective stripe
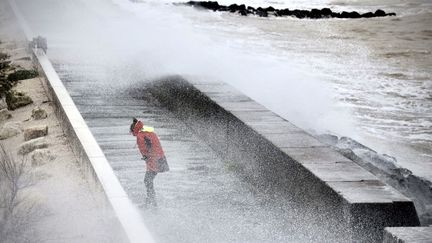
pixel 147 129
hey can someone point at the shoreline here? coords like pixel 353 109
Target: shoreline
pixel 314 13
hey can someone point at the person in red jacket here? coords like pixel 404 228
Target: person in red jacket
pixel 152 152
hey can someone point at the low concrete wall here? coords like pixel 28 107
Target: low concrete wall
pixel 278 157
pixel 408 235
pixel 84 145
pixel 91 158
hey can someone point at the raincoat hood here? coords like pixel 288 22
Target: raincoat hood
pixel 137 128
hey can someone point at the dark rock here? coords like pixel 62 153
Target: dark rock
pixel 315 14
pixel 16 100
pixel 355 15
pixel 380 13
pixel 243 12
pixel 29 146
pixel 242 7
pixel 35 132
pixel 300 13
pixel 233 7
pixel 270 9
pixel 251 8
pixel 262 13
pixel 336 15
pixel 368 15
pixel 283 12
pixel 391 14
pixel 326 12
pixel 348 153
pixel 3 56
pixel 211 5
pixel 295 13
pixel 3 91
pixel 4 64
pixel 223 9
pixel 345 15
pixel 21 75
pixel 5 86
pixel 305 13
pixel 39 113
pixel 207 5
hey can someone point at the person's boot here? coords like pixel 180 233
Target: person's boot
pixel 153 202
pixel 150 203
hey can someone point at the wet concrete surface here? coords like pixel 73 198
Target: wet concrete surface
pixel 408 234
pixel 201 199
pixel 352 201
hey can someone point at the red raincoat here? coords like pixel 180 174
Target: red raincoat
pixel 150 148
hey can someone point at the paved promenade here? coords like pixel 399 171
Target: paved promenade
pixel 201 199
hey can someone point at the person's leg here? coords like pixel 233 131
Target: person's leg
pixel 148 181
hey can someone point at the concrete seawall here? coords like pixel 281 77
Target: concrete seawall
pixel 278 157
pixel 408 234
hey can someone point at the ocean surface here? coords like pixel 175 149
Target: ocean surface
pixel 368 79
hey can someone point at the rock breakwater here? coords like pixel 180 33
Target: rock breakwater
pixel 297 13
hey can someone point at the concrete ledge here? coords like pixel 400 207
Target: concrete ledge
pixel 408 235
pixel 84 145
pixel 91 157
pixel 278 157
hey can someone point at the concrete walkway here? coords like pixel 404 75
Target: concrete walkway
pixel 201 199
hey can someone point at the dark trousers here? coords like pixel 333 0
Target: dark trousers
pixel 148 182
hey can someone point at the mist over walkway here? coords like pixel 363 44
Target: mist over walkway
pixel 201 199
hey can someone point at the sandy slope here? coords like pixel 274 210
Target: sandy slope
pixel 70 208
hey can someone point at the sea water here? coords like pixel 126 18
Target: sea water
pixel 368 79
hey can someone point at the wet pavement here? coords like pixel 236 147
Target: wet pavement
pixel 201 199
